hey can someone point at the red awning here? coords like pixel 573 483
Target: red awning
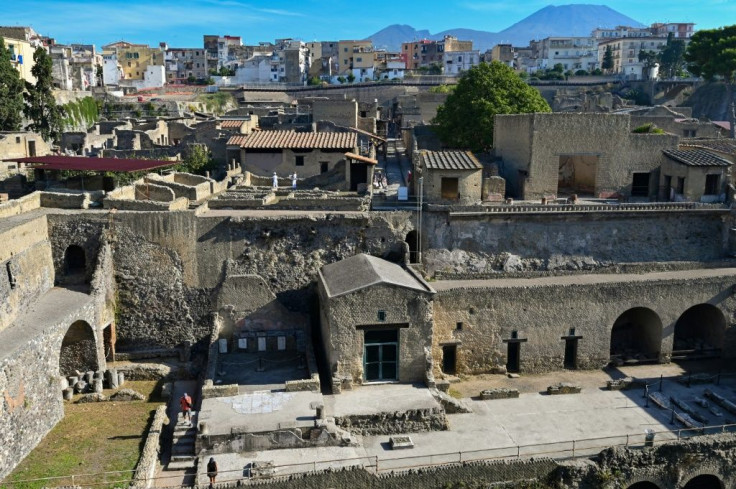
pixel 82 163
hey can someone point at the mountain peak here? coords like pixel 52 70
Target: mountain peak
pixel 552 20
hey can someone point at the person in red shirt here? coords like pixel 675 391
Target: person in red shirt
pixel 186 407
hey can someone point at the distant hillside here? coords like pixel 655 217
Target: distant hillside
pixel 565 20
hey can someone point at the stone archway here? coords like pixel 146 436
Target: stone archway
pixel 78 350
pixel 644 485
pixel 636 335
pixel 704 481
pixel 699 332
pixel 75 266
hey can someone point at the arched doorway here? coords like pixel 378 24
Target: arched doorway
pixel 78 350
pixel 411 240
pixel 75 265
pixel 699 332
pixel 705 481
pixel 644 485
pixel 636 336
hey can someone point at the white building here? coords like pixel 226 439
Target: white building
pixel 455 62
pixel 573 53
pixel 112 72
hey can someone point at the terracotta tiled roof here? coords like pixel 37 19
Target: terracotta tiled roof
pixel 696 157
pixel 450 160
pixel 230 124
pixel 727 146
pixel 236 140
pixel 296 140
pixel 363 159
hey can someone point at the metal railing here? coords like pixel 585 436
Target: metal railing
pixel 567 208
pixel 562 450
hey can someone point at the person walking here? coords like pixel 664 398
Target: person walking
pixel 293 181
pixel 212 470
pixel 186 407
pixel 275 181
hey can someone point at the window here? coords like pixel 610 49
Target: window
pixel 359 60
pixel 459 326
pixel 381 315
pixel 711 184
pixel 299 160
pixel 17 140
pixel 323 166
pixel 346 50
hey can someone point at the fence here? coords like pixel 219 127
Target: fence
pixel 562 450
pixel 569 208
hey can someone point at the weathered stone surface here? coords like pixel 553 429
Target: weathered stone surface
pixel 127 395
pixel 94 397
pixel 499 393
pixel 411 421
pixel 563 388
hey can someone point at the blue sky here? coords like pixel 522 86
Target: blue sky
pixel 182 23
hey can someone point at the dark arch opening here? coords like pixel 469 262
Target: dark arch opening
pixel 644 485
pixel 75 266
pixel 78 350
pixel 636 336
pixel 412 241
pixel 699 332
pixel 705 481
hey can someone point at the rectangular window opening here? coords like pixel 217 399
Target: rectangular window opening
pixel 299 161
pixel 711 184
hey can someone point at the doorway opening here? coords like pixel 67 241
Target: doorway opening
pixel 380 355
pixel 450 188
pixel 577 174
pixel 449 359
pixel 699 333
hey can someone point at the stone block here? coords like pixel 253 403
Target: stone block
pixel 112 378
pixel 97 383
pixel 121 379
pixel 68 393
pixel 443 385
pixel 336 386
pixel 499 393
pixel 127 395
pixel 94 397
pixel 619 384
pixel 80 386
pixel 563 388
pixel 401 442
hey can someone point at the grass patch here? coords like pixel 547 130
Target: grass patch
pixel 455 393
pixel 91 439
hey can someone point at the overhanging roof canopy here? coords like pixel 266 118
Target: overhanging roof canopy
pixel 81 163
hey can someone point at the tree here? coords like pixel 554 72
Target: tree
pixel 197 159
pixel 649 58
pixel 607 64
pixel 712 55
pixel 11 93
pixel 351 77
pixel 672 57
pixel 45 117
pixel 465 120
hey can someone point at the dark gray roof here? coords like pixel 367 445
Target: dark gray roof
pixel 450 160
pixel 361 271
pixel 696 157
pixel 723 145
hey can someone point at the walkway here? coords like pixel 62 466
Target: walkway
pixel 584 279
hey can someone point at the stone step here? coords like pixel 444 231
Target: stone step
pixel 181 463
pixel 188 437
pixel 186 449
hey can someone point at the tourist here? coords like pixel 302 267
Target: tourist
pixel 212 470
pixel 275 181
pixel 186 407
pixel 293 181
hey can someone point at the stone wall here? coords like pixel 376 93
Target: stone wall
pixel 532 167
pixel 145 470
pixel 26 268
pixel 483 242
pixel 341 112
pixel 543 312
pixel 20 206
pixel 283 162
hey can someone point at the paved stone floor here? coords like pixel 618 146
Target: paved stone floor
pixel 535 424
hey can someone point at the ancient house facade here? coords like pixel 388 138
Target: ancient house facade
pixel 547 155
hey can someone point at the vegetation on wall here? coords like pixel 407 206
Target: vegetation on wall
pixel 217 103
pixel 81 113
pixel 648 129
